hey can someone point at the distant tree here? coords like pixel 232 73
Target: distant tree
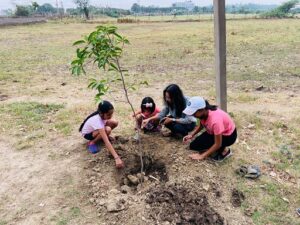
pixel 46 9
pixel 35 5
pixel 22 10
pixel 84 6
pixel 135 8
pixel 196 9
pixel 282 11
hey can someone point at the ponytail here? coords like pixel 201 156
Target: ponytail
pixel 103 107
pixel 210 107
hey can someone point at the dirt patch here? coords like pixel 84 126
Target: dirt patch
pixel 237 197
pixel 178 205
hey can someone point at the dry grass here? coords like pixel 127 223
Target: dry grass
pixel 260 53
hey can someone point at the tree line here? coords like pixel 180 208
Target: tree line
pixel 84 8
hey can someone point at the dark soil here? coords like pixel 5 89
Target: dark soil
pixel 237 197
pixel 179 205
pixel 152 167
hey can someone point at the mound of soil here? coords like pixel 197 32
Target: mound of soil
pixel 178 205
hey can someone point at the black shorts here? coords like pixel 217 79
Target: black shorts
pixel 89 136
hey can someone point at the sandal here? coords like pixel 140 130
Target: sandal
pixel 298 211
pixel 93 148
pixel 251 172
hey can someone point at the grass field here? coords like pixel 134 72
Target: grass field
pixel 42 105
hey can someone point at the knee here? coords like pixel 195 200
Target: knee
pixel 114 124
pixel 108 130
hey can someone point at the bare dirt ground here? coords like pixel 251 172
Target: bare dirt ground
pixel 48 177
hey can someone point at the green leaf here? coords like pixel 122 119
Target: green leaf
pixel 78 42
pixel 113 66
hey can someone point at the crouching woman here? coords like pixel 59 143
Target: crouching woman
pixel 220 131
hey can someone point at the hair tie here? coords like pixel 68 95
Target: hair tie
pixel 148 105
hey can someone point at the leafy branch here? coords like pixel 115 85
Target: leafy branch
pixel 104 47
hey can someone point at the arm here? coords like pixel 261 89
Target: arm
pixel 119 162
pixel 190 136
pixel 158 116
pixel 163 113
pixel 185 120
pixel 196 130
pixel 137 113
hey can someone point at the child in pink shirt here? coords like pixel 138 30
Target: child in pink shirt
pixel 148 109
pixel 220 130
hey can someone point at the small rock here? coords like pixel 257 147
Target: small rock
pixel 273 174
pixel 205 187
pixel 140 176
pixel 125 181
pixel 260 88
pixel 125 189
pixel 92 200
pixel 133 179
pixel 114 192
pixel 285 199
pixel 250 211
pixel 114 206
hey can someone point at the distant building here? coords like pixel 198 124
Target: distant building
pixel 189 5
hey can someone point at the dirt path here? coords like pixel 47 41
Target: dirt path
pixel 43 185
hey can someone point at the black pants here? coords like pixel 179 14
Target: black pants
pixel 179 128
pixel 203 142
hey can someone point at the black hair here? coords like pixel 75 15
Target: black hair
pixel 210 107
pixel 145 101
pixel 178 100
pixel 103 107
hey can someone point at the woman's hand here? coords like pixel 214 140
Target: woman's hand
pixel 187 138
pixel 168 120
pixel 119 163
pixel 197 156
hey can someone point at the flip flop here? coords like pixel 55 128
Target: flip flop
pixel 251 172
pixel 242 171
pixel 93 148
pixel 298 211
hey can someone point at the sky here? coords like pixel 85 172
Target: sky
pixel 126 4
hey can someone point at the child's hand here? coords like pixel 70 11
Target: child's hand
pixel 119 163
pixel 187 138
pixel 144 123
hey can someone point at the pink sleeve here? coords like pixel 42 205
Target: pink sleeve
pixel 218 128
